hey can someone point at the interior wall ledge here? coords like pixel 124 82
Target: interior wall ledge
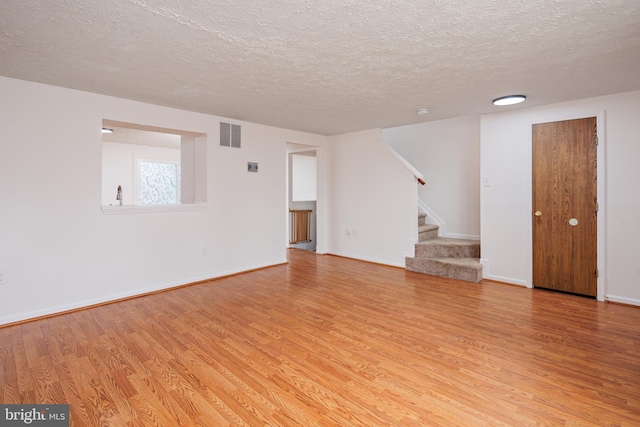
pixel 136 209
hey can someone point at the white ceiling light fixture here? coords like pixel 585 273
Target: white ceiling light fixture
pixel 423 111
pixel 107 130
pixel 509 100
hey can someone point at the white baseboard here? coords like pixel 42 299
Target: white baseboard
pixel 503 279
pixel 486 274
pixel 461 236
pixel 622 300
pixel 97 301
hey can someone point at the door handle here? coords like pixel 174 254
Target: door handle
pixel 538 214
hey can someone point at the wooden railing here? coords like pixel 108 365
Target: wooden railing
pixel 300 231
pixel 419 176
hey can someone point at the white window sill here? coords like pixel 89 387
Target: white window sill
pixel 135 209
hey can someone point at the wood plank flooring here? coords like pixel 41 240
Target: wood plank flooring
pixel 328 341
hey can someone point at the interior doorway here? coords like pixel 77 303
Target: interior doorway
pixel 564 201
pixel 302 199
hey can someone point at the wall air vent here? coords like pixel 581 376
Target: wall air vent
pixel 230 135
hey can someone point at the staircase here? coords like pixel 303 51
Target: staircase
pixel 445 257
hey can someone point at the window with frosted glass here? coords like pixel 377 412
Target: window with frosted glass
pixel 159 183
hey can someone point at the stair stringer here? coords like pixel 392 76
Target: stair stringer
pixel 433 218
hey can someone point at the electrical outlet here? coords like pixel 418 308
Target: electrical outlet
pixel 204 251
pixel 3 277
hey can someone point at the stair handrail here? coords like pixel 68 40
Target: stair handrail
pixel 419 176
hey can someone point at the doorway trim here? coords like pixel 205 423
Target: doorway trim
pixel 601 194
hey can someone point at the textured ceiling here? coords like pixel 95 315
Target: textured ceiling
pixel 329 66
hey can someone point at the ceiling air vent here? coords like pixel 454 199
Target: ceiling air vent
pixel 230 135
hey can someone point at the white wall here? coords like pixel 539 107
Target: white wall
pixel 304 177
pixel 374 196
pixel 447 152
pixel 506 204
pixel 61 252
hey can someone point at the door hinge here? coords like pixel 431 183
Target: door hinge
pixel 597 141
pixel 597 273
pixel 597 207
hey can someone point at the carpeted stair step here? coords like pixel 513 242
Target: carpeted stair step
pixel 427 231
pixel 467 269
pixel 442 247
pixel 444 257
pixel 422 218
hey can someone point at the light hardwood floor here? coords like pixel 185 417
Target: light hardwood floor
pixel 328 341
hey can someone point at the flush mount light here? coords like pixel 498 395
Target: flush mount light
pixel 423 112
pixel 107 130
pixel 509 100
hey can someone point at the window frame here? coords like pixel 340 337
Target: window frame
pixel 137 183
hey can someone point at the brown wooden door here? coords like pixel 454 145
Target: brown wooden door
pixel 564 206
